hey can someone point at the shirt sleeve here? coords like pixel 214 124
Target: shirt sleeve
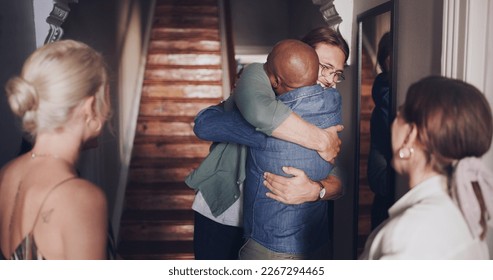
pixel 257 101
pixel 217 125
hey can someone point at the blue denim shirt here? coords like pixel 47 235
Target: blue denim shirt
pixel 294 229
pixel 283 228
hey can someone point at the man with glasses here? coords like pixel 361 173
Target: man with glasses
pixel 330 74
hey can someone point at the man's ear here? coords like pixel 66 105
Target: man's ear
pixel 274 81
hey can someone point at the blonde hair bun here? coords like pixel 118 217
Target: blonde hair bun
pixel 55 79
pixel 23 99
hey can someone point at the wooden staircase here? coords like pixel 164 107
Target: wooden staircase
pixel 183 75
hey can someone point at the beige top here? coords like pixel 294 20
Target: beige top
pixel 425 224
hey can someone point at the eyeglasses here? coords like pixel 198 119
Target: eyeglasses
pixel 329 70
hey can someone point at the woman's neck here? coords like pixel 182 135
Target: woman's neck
pixel 65 146
pixel 420 175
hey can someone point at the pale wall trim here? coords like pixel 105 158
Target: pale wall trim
pixel 42 9
pixel 467 36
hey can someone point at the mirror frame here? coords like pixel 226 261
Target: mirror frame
pixel 390 6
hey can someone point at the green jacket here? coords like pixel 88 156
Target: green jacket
pixel 219 176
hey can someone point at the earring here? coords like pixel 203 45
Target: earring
pixel 405 152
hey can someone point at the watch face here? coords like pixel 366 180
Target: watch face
pixel 322 193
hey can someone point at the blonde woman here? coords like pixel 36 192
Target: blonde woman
pixel 46 211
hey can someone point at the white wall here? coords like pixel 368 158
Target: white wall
pixel 259 24
pixel 345 9
pixel 42 9
pixel 488 72
pixel 418 49
pixel 467 44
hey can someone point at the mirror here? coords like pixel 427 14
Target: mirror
pixel 375 111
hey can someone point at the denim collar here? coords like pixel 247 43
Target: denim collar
pixel 304 92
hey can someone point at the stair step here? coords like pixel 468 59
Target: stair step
pixel 167 107
pixel 187 3
pixel 365 195
pixel 191 34
pixel 156 250
pixel 162 170
pixel 363 180
pixel 172 46
pixel 365 209
pixel 177 150
pixel 179 188
pixel 164 139
pixel 157 225
pixel 146 162
pixel 367 105
pixel 197 9
pixel 148 175
pixel 183 91
pixel 193 67
pixel 364 225
pixel 164 57
pixel 159 199
pixel 183 74
pixel 171 216
pixel 364 149
pixel 184 21
pixel 175 126
pixel 365 90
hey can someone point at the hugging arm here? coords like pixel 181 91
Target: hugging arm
pixel 256 101
pixel 217 125
pixel 254 90
pixel 299 188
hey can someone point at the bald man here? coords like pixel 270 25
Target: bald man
pixel 290 65
pixel 274 230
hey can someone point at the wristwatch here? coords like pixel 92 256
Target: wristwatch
pixel 321 194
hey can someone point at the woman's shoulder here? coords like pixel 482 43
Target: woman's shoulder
pixel 77 194
pixel 429 225
pixel 435 212
pixel 12 173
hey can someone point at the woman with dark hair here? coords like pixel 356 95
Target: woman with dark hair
pixel 438 137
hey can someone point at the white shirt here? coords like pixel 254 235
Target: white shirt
pixel 425 224
pixel 233 216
